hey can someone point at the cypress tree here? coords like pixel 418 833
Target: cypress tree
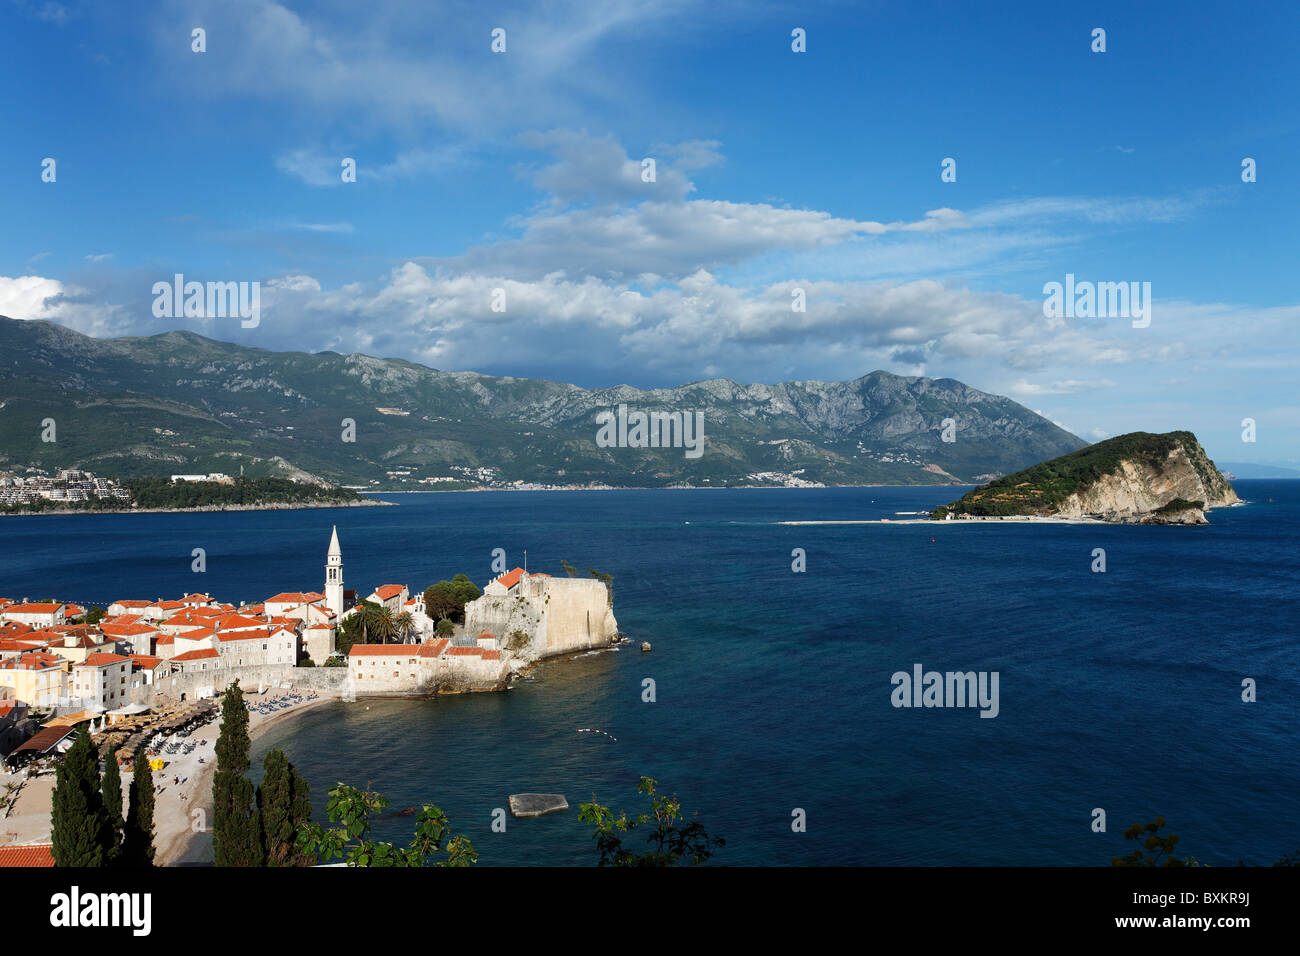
pixel 236 834
pixel 111 787
pixel 137 842
pixel 81 830
pixel 283 802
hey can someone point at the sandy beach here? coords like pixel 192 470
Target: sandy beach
pixel 182 839
pixel 183 786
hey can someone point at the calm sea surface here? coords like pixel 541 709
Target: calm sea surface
pixel 1119 690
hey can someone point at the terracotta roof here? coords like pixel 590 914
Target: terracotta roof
pixel 13 644
pixel 386 591
pixel 36 660
pixel 231 622
pixel 165 639
pixel 200 654
pixel 294 597
pixel 381 650
pixel 103 660
pixel 486 634
pixel 32 608
pixel 491 655
pixel 465 651
pixel 193 634
pixel 510 578
pixel 434 648
pixel 147 661
pixel 133 603
pixel 27 854
pixel 126 630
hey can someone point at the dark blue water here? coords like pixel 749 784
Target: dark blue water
pixel 1119 690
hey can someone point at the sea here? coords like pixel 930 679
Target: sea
pixel 767 704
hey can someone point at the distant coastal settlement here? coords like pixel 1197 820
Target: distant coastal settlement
pixel 78 491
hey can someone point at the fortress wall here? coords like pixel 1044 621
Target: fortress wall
pixel 577 616
pixel 501 616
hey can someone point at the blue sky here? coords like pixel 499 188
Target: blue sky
pixel 775 170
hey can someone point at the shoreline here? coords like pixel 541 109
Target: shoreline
pixel 284 506
pixel 933 522
pixel 184 846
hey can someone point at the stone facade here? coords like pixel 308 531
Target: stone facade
pixel 558 615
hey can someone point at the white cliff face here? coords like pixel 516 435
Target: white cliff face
pixel 1138 488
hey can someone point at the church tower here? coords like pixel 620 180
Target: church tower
pixel 334 575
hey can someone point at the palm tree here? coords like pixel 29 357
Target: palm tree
pixel 404 627
pixel 382 624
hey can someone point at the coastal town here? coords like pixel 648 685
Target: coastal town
pixel 145 670
pixel 63 487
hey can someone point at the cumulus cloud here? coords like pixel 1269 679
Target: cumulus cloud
pixel 24 297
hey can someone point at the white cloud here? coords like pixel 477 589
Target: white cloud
pixel 24 297
pixel 1069 387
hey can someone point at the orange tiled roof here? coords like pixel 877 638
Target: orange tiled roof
pixel 510 578
pixel 434 648
pixel 380 650
pixel 465 651
pixel 294 597
pixel 35 660
pixel 195 655
pixel 386 591
pixel 28 854
pixel 103 660
pixel 32 608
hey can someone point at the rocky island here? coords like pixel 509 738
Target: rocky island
pixel 1138 478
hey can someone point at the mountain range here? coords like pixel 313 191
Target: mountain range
pixel 180 402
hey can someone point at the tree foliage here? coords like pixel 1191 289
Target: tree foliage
pixel 350 840
pixel 369 623
pixel 164 493
pixel 82 832
pixel 236 829
pixel 608 580
pixel 1152 849
pixel 671 843
pixel 284 803
pixel 448 598
pixel 137 841
pixel 111 788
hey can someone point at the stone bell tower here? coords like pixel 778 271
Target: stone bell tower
pixel 334 575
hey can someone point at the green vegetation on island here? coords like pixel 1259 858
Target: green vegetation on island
pixel 1041 489
pixel 240 492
